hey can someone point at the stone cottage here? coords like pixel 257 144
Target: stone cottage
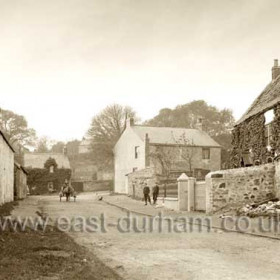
pixel 46 171
pixel 144 148
pixel 256 136
pixel 6 170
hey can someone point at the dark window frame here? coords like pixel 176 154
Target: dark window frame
pixel 136 152
pixel 206 153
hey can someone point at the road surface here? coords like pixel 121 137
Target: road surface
pixel 159 255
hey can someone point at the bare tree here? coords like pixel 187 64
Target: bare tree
pixel 169 157
pixel 165 157
pixel 105 130
pixel 187 150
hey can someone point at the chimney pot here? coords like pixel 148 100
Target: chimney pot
pixel 275 62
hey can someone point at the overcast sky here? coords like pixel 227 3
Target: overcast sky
pixel 63 61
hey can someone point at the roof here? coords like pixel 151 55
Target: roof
pixel 37 160
pixel 172 135
pixel 7 141
pixel 20 167
pixel 269 97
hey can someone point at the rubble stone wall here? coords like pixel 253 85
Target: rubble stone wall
pixel 137 180
pixel 277 178
pixel 240 186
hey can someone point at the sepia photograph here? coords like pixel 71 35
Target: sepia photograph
pixel 139 139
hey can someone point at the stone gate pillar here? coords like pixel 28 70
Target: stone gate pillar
pixel 191 184
pixel 186 193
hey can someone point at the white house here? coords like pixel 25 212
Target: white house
pixel 133 149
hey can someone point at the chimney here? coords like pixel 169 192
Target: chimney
pixel 199 124
pixel 275 70
pixel 129 122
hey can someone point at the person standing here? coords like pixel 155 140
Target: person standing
pixel 155 193
pixel 146 192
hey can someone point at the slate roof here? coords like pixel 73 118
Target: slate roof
pixel 269 97
pixel 171 136
pixel 37 160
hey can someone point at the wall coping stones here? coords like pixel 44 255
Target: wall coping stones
pixel 183 178
pixel 218 175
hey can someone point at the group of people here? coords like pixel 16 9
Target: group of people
pixel 146 192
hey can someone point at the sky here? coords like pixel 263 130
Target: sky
pixel 63 61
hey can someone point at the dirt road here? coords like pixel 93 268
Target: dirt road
pixel 165 255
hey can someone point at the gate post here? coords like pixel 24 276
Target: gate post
pixel 186 193
pixel 191 184
pixel 183 192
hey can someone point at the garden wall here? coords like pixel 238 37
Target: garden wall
pixel 239 186
pixel 138 179
pixel 39 179
pixel 93 186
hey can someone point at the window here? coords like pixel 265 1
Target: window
pixel 205 153
pixel 268 134
pixel 269 117
pixel 136 152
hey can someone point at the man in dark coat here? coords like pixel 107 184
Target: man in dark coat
pixel 155 193
pixel 146 192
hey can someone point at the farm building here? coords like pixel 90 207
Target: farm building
pixel 20 181
pixel 6 170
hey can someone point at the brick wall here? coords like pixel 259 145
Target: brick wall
pixel 240 186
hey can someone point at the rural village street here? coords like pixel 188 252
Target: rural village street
pixel 196 255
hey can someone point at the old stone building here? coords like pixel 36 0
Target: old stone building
pixel 6 170
pixel 145 148
pixel 46 171
pixel 20 181
pixel 256 136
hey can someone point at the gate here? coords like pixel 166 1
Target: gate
pixel 200 196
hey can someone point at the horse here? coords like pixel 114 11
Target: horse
pixel 67 192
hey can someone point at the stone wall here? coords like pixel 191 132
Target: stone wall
pixel 240 186
pixel 94 186
pixel 277 177
pixel 137 180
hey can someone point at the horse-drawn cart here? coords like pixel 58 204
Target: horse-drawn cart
pixel 68 192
